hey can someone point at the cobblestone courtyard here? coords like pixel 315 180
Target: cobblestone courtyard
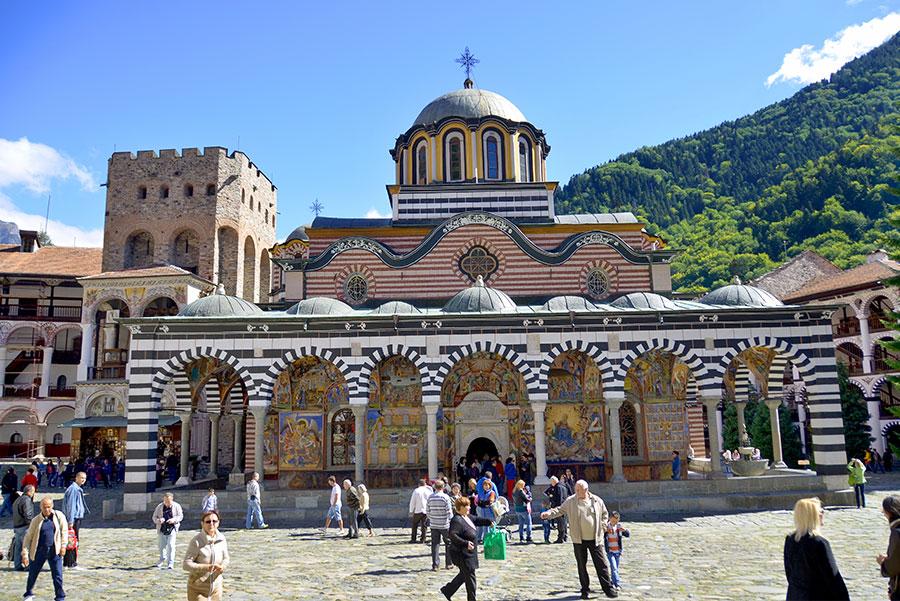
pixel 716 557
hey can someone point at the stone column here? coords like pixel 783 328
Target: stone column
pixel 540 450
pixel 3 362
pixel 801 415
pixel 259 418
pixel 359 441
pixel 615 436
pixel 866 341
pixel 739 407
pixel 213 443
pixel 873 404
pixel 431 410
pixel 44 390
pixel 778 459
pixel 87 340
pixel 238 443
pixel 185 448
pixel 715 445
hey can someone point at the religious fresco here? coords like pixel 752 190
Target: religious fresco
pixel 446 426
pixel 309 384
pixel 574 432
pixel 202 372
pixel 522 431
pixel 484 372
pixel 300 444
pixel 758 361
pixel 667 429
pixel 574 377
pixel 395 437
pixel 396 383
pixel 270 444
pixel 655 376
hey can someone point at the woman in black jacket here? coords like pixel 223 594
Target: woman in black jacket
pixel 463 550
pixel 890 563
pixel 809 565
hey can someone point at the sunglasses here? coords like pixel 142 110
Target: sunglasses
pixel 210 521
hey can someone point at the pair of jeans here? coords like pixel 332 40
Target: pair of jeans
pixel 6 508
pixel 167 548
pixel 484 512
pixel 18 537
pixel 41 556
pixel 363 518
pixel 436 535
pixel 353 523
pixel 524 519
pixel 546 525
pixel 254 512
pixel 601 564
pixel 562 529
pixel 860 490
pixel 615 558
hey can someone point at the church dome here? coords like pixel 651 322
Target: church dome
pixel 741 295
pixel 469 103
pixel 643 300
pixel 299 233
pixel 320 305
pixel 479 298
pixel 394 308
pixel 219 304
pixel 569 303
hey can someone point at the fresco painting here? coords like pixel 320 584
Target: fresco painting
pixel 301 437
pixel 667 429
pixel 758 361
pixel 309 384
pixel 574 433
pixel 395 383
pixel 484 372
pixel 202 372
pixel 657 375
pixel 396 437
pixel 574 377
pixel 270 444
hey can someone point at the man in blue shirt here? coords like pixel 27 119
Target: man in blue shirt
pixel 676 465
pixel 45 542
pixel 75 507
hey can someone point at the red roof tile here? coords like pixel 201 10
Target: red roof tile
pixel 857 277
pixel 52 261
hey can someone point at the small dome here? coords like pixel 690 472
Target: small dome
pixel 741 295
pixel 480 299
pixel 320 305
pixel 644 300
pixel 219 304
pixel 568 303
pixel 394 308
pixel 298 234
pixel 469 103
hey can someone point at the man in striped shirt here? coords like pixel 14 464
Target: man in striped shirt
pixel 439 509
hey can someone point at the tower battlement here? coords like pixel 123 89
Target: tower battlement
pixel 147 158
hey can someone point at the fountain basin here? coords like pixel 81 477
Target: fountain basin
pixel 750 467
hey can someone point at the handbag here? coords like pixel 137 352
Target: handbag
pixel 166 528
pixel 494 545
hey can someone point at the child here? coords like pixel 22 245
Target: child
pixel 613 542
pixel 545 506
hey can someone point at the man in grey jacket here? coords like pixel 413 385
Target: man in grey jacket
pixel 23 513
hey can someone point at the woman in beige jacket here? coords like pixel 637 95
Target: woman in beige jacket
pixel 205 561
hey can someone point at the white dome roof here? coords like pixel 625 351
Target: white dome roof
pixel 469 103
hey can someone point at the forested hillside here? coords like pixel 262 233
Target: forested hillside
pixel 809 172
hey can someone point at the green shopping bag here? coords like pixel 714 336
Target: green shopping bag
pixel 494 544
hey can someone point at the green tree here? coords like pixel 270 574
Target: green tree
pixel 759 427
pixel 44 239
pixel 857 431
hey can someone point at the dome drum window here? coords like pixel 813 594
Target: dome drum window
pixel 492 156
pixel 524 161
pixel 356 289
pixel 478 262
pixel 455 157
pixel 597 283
pixel 421 163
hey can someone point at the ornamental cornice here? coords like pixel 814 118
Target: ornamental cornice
pixel 167 281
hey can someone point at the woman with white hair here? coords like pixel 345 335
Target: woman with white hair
pixel 809 564
pixel 363 516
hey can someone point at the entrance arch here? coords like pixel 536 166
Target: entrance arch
pixel 481 415
pixel 480 447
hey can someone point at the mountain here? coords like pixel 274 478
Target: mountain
pixel 810 172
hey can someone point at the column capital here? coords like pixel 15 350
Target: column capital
pixel 773 403
pixel 431 408
pixel 538 406
pixel 614 403
pixel 237 417
pixel 358 409
pixel 711 402
pixel 258 411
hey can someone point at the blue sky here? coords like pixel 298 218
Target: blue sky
pixel 317 92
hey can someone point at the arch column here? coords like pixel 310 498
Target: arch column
pixel 866 341
pixel 778 459
pixel 259 419
pixel 615 434
pixel 540 449
pixel 213 443
pixel 44 390
pixel 3 362
pixel 183 478
pixel 432 404
pixel 801 416
pixel 715 444
pixel 359 441
pixel 238 420
pixel 739 407
pixel 87 342
pixel 873 404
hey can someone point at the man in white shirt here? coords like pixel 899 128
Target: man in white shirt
pixel 254 509
pixel 418 508
pixel 334 507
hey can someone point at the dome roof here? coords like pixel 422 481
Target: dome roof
pixel 299 233
pixel 469 103
pixel 320 305
pixel 568 303
pixel 741 295
pixel 478 298
pixel 219 304
pixel 643 300
pixel 393 308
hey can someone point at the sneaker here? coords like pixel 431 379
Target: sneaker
pixel 171 566
pixel 264 526
pixel 161 565
pixel 31 598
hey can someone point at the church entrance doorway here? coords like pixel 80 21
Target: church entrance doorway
pixel 480 447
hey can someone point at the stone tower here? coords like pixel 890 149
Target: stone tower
pixel 209 212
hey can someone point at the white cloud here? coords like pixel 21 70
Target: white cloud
pixel 60 233
pixel 374 213
pixel 808 64
pixel 854 2
pixel 34 167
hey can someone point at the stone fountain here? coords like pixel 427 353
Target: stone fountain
pixel 746 465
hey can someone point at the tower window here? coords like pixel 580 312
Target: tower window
pixel 267 216
pixel 142 192
pixel 243 196
pixel 251 203
pixel 454 151
pixel 421 164
pixel 164 192
pixel 210 190
pixel 492 158
pixel 524 161
pixel 188 190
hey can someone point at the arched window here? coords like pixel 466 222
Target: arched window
pixel 524 160
pixel 421 168
pixel 251 202
pixel 61 383
pixel 455 159
pixel 164 192
pixel 16 438
pixel 142 192
pixel 267 216
pixel 188 190
pixel 491 157
pixel 186 251
pixel 243 196
pixel 57 439
pixel 210 189
pixel 628 430
pixel 138 250
pixel 343 438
